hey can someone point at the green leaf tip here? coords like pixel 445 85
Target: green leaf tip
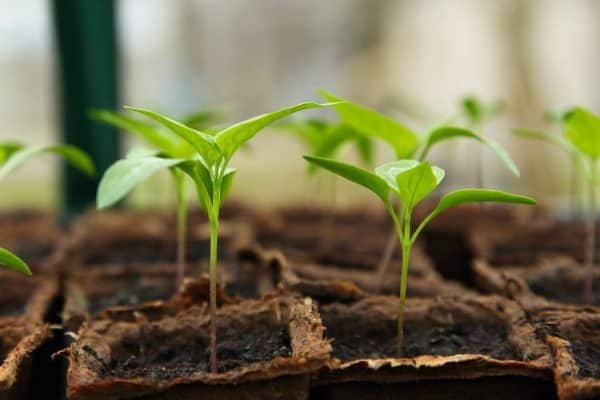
pixel 11 261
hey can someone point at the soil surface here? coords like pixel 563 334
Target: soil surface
pixel 352 342
pixel 563 290
pixel 133 295
pixel 168 359
pixel 451 255
pixel 587 356
pixel 151 251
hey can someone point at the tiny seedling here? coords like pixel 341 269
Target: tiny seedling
pixel 168 145
pixel 323 138
pixel 575 156
pixel 13 155
pixel 410 181
pixel 582 130
pixel 477 113
pixel 407 144
pixel 209 169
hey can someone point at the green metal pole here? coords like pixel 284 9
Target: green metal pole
pixel 86 44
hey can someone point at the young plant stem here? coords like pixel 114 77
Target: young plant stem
pixel 214 238
pixel 384 262
pixel 406 247
pixel 590 236
pixel 181 230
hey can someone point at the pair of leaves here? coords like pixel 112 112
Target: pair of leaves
pixel 224 143
pixel 412 181
pixel 11 261
pixel 139 165
pixel 19 154
pixel 404 142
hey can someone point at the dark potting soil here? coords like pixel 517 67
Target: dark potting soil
pixel 166 359
pixel 451 255
pixel 151 251
pixel 587 356
pixel 560 288
pixel 133 295
pixel 470 337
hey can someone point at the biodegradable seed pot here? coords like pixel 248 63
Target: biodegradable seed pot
pixel 479 347
pixel 573 335
pixel 267 350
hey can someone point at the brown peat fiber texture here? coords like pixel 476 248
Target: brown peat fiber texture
pixel 264 347
pixel 573 336
pixel 18 342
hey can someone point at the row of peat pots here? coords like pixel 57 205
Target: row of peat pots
pixel 493 309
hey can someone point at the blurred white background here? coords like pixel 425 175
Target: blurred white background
pixel 252 57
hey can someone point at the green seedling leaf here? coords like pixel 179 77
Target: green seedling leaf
pixel 162 139
pixel 71 154
pixel 138 152
pixel 354 174
pixel 449 132
pixel 583 132
pixel 463 196
pixel 11 261
pixel 203 143
pixel 126 174
pixel 411 180
pixel 231 138
pixel 373 124
pixel 549 138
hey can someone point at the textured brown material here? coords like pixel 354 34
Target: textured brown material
pixel 566 330
pixel 553 282
pixel 116 238
pixel 100 343
pixel 26 298
pixel 534 360
pixel 343 284
pixel 19 341
pixel 527 245
pixel 98 288
pixel 34 236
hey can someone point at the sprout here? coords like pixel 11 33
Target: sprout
pixel 13 155
pixel 407 144
pixel 168 145
pixel 208 167
pixel 410 181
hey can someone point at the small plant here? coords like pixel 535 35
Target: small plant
pixel 12 155
pixel 209 169
pixel 411 181
pixel 582 130
pixel 169 145
pixel 407 144
pixel 323 138
pixel 575 157
pixel 477 113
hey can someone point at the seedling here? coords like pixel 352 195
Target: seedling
pixel 209 169
pixel 575 157
pixel 168 145
pixel 407 144
pixel 13 155
pixel 582 130
pixel 323 138
pixel 411 181
pixel 478 113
